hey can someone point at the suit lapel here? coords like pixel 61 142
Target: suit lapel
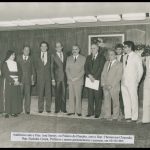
pixel 58 58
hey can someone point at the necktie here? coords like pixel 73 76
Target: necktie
pixel 43 58
pixel 61 57
pixel 75 59
pixel 93 59
pixel 109 66
pixel 127 60
pixel 121 59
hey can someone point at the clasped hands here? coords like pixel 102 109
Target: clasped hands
pixel 91 78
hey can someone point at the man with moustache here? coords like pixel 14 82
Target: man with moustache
pixel 75 77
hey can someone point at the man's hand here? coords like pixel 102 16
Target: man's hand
pixel 53 82
pixel 74 79
pixel 91 78
pixel 33 83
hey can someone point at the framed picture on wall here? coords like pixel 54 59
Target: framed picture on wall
pixel 107 41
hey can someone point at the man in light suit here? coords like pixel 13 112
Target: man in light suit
pixel 28 77
pixel 132 73
pixel 75 78
pixel 58 65
pixel 44 81
pixel 110 81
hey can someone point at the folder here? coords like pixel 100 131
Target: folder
pixel 92 85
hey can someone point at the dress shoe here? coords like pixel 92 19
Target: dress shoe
pixel 79 115
pixel 64 111
pixel 69 114
pixel 88 115
pixel 28 113
pixel 6 116
pixel 56 112
pixel 14 115
pixel 48 111
pixel 40 111
pixel 128 120
pixel 96 116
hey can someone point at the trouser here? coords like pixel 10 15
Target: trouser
pixel 75 103
pixel 109 95
pixel 121 103
pixel 1 97
pixel 94 99
pixel 44 88
pixel 26 97
pixel 60 96
pixel 130 100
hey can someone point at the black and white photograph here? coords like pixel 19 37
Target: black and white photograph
pixel 74 74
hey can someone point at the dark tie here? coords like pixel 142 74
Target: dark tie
pixel 25 58
pixel 121 59
pixel 109 66
pixel 61 57
pixel 127 60
pixel 43 58
pixel 75 59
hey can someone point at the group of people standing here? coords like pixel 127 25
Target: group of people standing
pixel 118 74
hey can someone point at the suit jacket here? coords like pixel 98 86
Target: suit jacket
pixel 27 69
pixel 133 71
pixel 96 68
pixel 113 76
pixel 58 67
pixel 43 71
pixel 75 69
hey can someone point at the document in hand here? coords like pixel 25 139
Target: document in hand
pixel 92 85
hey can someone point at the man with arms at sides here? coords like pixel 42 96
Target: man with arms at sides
pixel 93 69
pixel 44 81
pixel 28 77
pixel 58 65
pixel 120 54
pixel 75 77
pixel 110 81
pixel 132 73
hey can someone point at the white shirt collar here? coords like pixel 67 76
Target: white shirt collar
pixel 95 55
pixel 25 57
pixel 112 62
pixel 130 53
pixel 76 56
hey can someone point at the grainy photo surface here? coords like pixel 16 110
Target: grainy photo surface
pixel 74 74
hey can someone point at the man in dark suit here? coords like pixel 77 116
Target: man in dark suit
pixel 28 77
pixel 58 64
pixel 43 70
pixel 93 69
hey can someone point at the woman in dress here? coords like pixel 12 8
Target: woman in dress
pixel 146 89
pixel 12 90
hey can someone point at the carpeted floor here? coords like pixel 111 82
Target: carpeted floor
pixel 50 123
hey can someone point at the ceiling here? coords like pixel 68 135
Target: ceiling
pixel 37 10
